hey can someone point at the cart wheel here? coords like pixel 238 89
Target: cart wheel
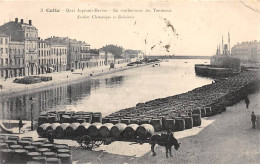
pixel 86 142
pixel 98 143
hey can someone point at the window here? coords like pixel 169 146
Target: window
pixel 19 61
pixel 6 41
pixel 6 61
pixel 1 40
pixel 2 61
pixel 1 50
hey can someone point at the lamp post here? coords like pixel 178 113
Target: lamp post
pixel 31 100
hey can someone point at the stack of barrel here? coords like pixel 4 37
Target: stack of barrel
pixel 69 117
pixel 98 130
pixel 185 110
pixel 15 150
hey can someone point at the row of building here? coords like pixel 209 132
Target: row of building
pixel 23 53
pixel 247 51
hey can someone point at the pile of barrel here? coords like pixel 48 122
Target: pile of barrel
pixel 14 150
pixel 185 110
pixel 177 113
pixel 69 117
pixel 97 130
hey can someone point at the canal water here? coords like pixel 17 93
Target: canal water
pixel 108 93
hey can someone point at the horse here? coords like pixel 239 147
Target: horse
pixel 164 140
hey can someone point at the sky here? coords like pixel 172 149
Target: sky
pixel 187 28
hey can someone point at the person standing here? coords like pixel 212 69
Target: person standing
pixel 169 143
pixel 247 102
pixel 253 119
pixel 20 125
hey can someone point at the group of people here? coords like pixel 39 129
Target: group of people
pixel 253 116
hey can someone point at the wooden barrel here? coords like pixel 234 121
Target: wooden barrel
pixel 130 131
pixel 19 156
pixel 106 120
pixel 80 120
pixel 115 121
pixel 30 155
pixel 42 119
pixel 196 119
pixel 49 146
pixel 4 145
pixel 52 127
pixel 117 130
pixel 188 122
pixel 87 118
pixel 30 148
pixel 15 138
pixel 40 159
pixel 169 123
pixel 179 124
pixel 65 158
pixel 144 131
pixel 15 146
pixel 63 151
pixel 33 162
pixel 61 146
pixel 125 121
pixel 203 112
pixel 2 137
pixel 71 130
pixel 74 118
pixel 50 154
pixel 65 119
pixel 10 142
pixel 37 144
pixel 42 129
pixel 42 150
pixel 145 121
pixel 24 143
pixel 60 130
pixel 157 124
pixel 196 111
pixel 96 118
pixel 93 129
pixel 134 121
pixel 82 129
pixel 52 118
pixel 105 129
pixel 6 156
pixel 208 111
pixel 27 139
pixel 53 161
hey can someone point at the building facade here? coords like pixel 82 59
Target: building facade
pixel 4 56
pixel 85 55
pixel 247 51
pixel 17 58
pixel 109 58
pixel 27 33
pixel 44 54
pixel 73 50
pixel 58 57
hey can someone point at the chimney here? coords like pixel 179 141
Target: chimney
pixel 21 21
pixel 16 20
pixel 30 22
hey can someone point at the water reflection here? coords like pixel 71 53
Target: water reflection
pixel 108 93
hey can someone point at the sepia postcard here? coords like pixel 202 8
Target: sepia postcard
pixel 129 82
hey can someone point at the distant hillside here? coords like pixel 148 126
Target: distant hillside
pixel 114 49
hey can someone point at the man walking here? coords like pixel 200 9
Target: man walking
pixel 247 102
pixel 253 119
pixel 20 125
